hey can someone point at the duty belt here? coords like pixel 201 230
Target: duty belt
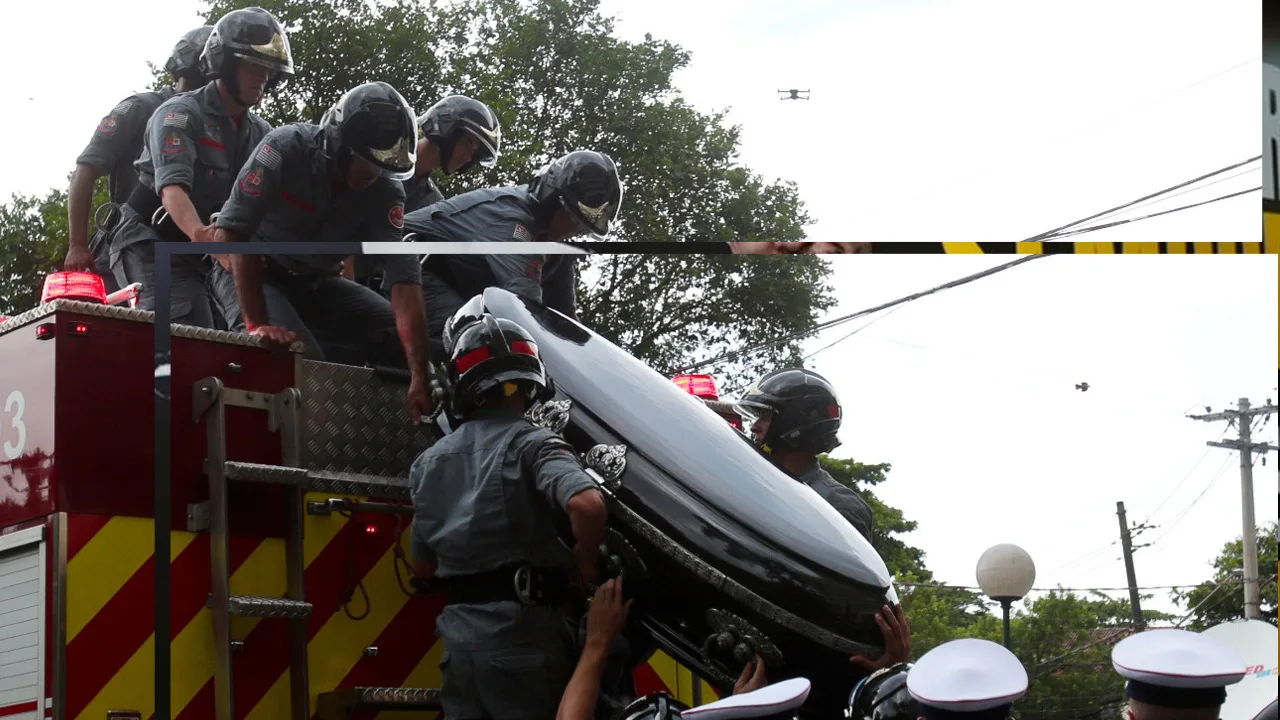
pixel 150 209
pixel 524 584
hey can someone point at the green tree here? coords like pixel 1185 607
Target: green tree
pixel 33 241
pixel 1221 598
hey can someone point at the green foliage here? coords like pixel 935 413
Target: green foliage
pixel 1221 599
pixel 560 80
pixel 33 241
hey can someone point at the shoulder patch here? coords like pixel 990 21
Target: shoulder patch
pixel 396 217
pixel 108 125
pixel 522 234
pixel 173 144
pixel 176 119
pixel 251 183
pixel 270 157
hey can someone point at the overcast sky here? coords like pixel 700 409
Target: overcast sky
pixel 974 120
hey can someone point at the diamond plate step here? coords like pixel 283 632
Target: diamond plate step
pixel 339 704
pixel 268 607
pixel 271 474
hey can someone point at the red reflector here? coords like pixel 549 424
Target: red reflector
pixel 74 286
pixel 471 359
pixel 703 386
pixel 80 329
pixel 371 529
pixel 44 332
pixel 833 411
pixel 524 347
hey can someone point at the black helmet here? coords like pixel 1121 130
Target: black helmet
pixel 655 706
pixel 471 311
pixel 489 352
pixel 584 182
pixel 445 122
pixel 251 34
pixel 374 122
pixel 184 61
pixel 806 411
pixel 883 696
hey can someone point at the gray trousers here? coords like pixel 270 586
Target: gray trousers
pixel 338 320
pixel 189 301
pixel 523 682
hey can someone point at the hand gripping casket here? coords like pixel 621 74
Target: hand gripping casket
pixel 727 557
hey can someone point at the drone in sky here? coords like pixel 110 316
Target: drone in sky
pixel 794 94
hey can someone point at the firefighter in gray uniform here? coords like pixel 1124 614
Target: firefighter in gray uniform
pixel 336 181
pixel 489 499
pixel 577 194
pixel 454 135
pixel 794 416
pixel 196 142
pixel 115 145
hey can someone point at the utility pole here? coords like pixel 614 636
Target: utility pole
pixel 1126 544
pixel 1242 418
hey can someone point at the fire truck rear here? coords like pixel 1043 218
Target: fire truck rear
pixel 288 586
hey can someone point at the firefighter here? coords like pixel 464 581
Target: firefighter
pixel 487 500
pixel 967 679
pixel 1176 674
pixel 454 135
pixel 114 146
pixel 575 194
pixel 794 415
pixel 196 142
pixel 339 180
pixel 883 695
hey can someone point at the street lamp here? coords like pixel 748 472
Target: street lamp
pixel 1006 573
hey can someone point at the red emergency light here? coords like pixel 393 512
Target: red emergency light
pixel 702 386
pixel 74 286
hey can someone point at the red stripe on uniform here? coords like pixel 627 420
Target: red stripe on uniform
pixel 265 656
pixel 212 143
pixel 401 646
pixel 126 621
pixel 81 529
pixel 298 202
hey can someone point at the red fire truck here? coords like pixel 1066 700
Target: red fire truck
pixel 288 591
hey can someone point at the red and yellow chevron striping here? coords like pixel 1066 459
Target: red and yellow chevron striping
pixel 110 653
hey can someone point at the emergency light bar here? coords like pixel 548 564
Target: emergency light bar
pixel 74 286
pixel 701 386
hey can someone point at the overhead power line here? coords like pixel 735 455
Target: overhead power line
pixel 1093 228
pixel 1051 234
pixel 853 316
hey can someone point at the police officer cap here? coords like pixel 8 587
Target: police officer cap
pixel 186 54
pixel 1177 668
pixel 967 679
pixel 768 701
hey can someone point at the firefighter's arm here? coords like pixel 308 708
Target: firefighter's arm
pixel 559 290
pixel 113 142
pixel 559 476
pixel 411 325
pixel 171 144
pixel 605 619
pixel 79 199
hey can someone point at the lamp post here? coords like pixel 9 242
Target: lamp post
pixel 1005 574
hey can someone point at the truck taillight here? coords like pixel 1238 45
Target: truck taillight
pixel 74 286
pixel 703 386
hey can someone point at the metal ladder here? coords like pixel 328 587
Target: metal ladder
pixel 210 399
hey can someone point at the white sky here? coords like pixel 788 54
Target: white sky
pixel 974 120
